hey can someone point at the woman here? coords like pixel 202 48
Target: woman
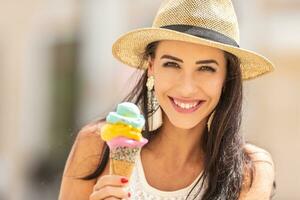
pixel 191 95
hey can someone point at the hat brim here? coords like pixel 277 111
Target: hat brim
pixel 129 49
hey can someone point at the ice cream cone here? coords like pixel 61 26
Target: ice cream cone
pixel 123 136
pixel 122 160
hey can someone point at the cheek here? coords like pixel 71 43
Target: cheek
pixel 210 86
pixel 165 79
pixel 213 89
pixel 162 86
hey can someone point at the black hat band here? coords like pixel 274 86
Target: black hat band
pixel 202 33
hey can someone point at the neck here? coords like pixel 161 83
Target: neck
pixel 178 146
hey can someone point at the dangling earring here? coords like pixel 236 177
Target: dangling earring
pixel 154 110
pixel 210 120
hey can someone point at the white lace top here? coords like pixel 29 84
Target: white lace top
pixel 141 190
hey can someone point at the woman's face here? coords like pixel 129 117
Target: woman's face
pixel 188 80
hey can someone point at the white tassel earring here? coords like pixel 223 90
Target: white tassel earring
pixel 154 110
pixel 210 120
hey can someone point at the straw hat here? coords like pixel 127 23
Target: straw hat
pixel 206 22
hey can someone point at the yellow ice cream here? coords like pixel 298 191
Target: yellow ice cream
pixel 110 131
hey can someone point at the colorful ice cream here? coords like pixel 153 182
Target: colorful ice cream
pixel 123 136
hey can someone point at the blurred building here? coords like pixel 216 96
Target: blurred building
pixel 37 44
pixel 57 73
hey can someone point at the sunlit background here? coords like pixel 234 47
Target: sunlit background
pixel 57 74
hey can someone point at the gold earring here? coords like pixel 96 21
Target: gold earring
pixel 210 120
pixel 154 110
pixel 152 101
pixel 150 83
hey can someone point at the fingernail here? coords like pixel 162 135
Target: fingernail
pixel 124 180
pixel 129 194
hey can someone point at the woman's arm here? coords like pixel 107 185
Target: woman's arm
pixel 264 175
pixel 83 159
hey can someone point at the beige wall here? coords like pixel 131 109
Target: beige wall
pixel 272 120
pixel 272 112
pixel 27 28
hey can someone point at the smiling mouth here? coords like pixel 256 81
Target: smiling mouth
pixel 184 106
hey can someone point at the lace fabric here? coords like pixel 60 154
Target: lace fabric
pixel 141 190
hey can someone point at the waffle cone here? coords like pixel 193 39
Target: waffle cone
pixel 121 168
pixel 122 161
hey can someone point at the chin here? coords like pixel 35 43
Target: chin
pixel 184 124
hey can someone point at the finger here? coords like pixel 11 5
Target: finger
pixel 110 191
pixel 111 180
pixel 112 198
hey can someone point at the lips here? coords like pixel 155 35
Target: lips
pixel 185 106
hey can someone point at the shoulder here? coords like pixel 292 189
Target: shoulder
pixel 83 159
pixel 258 154
pixel 89 131
pixel 264 174
pixel 86 151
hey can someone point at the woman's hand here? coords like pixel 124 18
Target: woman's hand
pixel 110 187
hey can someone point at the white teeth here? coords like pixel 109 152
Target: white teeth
pixel 185 105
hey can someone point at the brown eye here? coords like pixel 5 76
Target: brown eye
pixel 171 64
pixel 207 68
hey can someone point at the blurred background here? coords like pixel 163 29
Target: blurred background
pixel 57 74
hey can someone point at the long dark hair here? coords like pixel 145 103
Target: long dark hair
pixel 226 161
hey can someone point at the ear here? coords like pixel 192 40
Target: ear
pixel 150 66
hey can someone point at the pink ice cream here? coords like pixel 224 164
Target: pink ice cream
pixel 125 142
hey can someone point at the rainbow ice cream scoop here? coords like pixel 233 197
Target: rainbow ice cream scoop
pixel 122 134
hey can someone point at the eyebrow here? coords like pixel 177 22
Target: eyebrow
pixel 198 62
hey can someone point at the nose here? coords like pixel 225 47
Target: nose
pixel 188 86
